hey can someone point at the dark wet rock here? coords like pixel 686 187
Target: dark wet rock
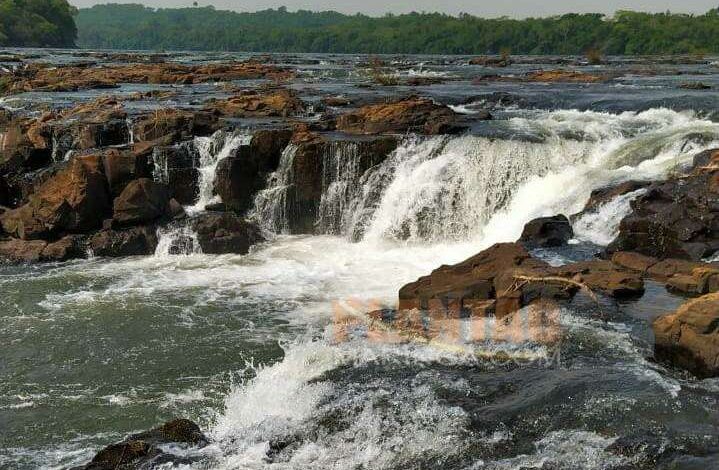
pixel 547 232
pixel 75 200
pixel 177 167
pixel 239 176
pixel 174 125
pixel 408 115
pixel 142 200
pixel 225 232
pixel 505 278
pixel 676 218
pixel 68 247
pixel 144 450
pixel 602 196
pixel 336 101
pixel 132 241
pixel 689 337
pixel 282 102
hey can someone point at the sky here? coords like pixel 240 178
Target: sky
pixel 487 8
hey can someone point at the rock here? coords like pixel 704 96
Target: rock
pixel 562 76
pixel 123 166
pixel 177 168
pixel 241 175
pixel 490 61
pixel 75 200
pixel 68 247
pixel 409 115
pixel 22 251
pixel 689 337
pixel 174 125
pixel 676 218
pixel 505 278
pixel 141 201
pixel 134 241
pixel 547 232
pixel 40 77
pixel 149 449
pixel 336 101
pixel 225 232
pixel 694 86
pixel 282 102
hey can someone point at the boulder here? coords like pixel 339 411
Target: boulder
pixel 676 218
pixel 123 166
pixel 174 125
pixel 21 251
pixel 176 167
pixel 242 174
pixel 225 232
pixel 505 278
pixel 408 115
pixel 68 247
pixel 142 200
pixel 134 241
pixel 74 200
pixel 689 337
pixel 150 449
pixel 547 232
pixel 282 102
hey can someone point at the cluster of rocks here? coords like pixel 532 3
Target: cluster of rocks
pixel 41 77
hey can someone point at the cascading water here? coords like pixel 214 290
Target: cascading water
pixel 177 240
pixel 483 189
pixel 211 151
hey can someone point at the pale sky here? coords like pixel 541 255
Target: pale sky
pixel 487 8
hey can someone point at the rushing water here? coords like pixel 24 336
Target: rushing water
pixel 249 346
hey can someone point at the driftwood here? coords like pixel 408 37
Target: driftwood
pixel 522 280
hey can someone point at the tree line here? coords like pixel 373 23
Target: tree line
pixel 37 23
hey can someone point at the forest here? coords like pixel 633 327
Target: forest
pixel 37 23
pixel 133 26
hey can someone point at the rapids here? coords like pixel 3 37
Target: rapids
pixel 248 346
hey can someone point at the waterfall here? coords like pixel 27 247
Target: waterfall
pixel 478 188
pixel 177 240
pixel 211 151
pixel 271 204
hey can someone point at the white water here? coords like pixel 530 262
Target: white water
pixel 212 150
pixel 177 240
pixel 602 226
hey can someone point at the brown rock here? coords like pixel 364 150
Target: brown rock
pixel 689 337
pixel 562 76
pixel 141 201
pixel 123 166
pixel 22 251
pixel 73 200
pixel 68 247
pixel 174 125
pixel 408 115
pixel 282 102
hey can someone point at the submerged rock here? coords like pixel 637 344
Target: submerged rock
pixel 547 232
pixel 148 449
pixel 689 337
pixel 225 232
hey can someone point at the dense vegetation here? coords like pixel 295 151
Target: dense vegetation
pixel 37 23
